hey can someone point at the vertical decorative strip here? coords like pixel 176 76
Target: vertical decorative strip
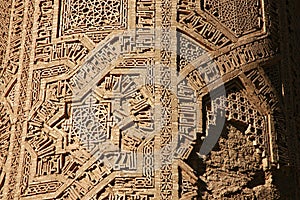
pixel 22 23
pixel 166 69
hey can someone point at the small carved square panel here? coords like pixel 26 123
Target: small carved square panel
pixel 80 16
pixel 240 16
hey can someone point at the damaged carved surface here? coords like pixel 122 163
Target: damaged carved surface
pixel 148 99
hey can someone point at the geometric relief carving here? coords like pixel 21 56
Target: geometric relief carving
pixel 188 52
pixel 104 122
pixel 187 182
pixel 107 120
pixel 40 74
pixel 197 25
pixel 113 121
pixel 10 68
pixel 98 37
pixel 11 95
pixel 93 15
pixel 268 94
pixel 49 165
pixel 42 188
pixel 5 127
pixel 246 54
pixel 4 26
pixel 2 180
pixel 272 73
pixel 241 17
pixel 20 38
pixel 145 21
pixel 75 51
pixel 90 122
pixel 121 188
pixel 239 111
pixel 263 88
pixel 44 26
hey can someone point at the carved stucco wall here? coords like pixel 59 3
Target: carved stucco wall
pixel 80 97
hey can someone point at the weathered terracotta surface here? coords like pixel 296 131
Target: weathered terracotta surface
pixel 149 99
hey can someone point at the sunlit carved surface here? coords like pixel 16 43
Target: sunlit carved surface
pixel 93 15
pixel 142 99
